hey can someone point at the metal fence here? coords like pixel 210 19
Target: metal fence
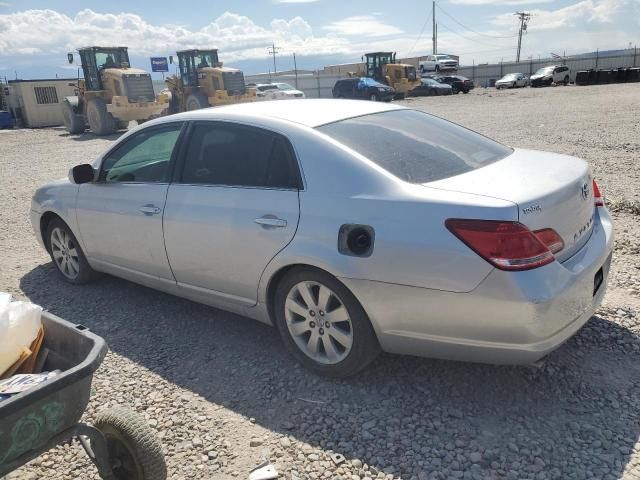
pixel 482 75
pixel 313 85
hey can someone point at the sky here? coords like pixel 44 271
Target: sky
pixel 35 35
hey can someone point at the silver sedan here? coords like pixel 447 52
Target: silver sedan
pixel 352 227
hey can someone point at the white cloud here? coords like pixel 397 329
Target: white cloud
pixel 48 31
pixel 4 4
pixel 362 25
pixel 499 2
pixel 574 15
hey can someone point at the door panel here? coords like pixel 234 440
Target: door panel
pixel 120 215
pixel 234 207
pixel 214 242
pixel 115 230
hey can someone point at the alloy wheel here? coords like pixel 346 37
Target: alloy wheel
pixel 318 322
pixel 65 253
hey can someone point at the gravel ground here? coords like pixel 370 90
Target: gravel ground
pixel 223 394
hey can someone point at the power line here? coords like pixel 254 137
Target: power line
pixel 424 25
pixel 467 38
pixel 471 30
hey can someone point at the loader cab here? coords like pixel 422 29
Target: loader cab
pixel 375 63
pixel 190 61
pixel 96 59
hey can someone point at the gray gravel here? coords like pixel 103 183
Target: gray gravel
pixel 223 394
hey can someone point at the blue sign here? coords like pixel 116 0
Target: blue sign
pixel 159 64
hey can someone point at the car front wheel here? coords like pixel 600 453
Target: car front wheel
pixel 322 324
pixel 67 255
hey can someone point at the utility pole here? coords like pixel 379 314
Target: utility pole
pixel 273 51
pixel 524 19
pixel 433 38
pixel 295 68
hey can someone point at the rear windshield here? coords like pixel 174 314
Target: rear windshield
pixel 415 146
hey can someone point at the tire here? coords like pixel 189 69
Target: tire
pixel 122 125
pixel 135 453
pixel 73 122
pixel 196 101
pixel 101 122
pixel 465 91
pixel 437 69
pixel 373 97
pixel 357 346
pixel 566 80
pixel 62 244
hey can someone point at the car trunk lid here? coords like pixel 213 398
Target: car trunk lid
pixel 551 191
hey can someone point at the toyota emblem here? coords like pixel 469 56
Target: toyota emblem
pixel 584 190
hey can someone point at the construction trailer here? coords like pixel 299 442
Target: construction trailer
pixel 37 103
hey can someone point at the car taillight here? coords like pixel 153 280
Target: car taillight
pixel 550 238
pixel 598 200
pixel 507 245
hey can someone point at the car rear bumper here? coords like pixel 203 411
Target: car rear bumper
pixel 510 318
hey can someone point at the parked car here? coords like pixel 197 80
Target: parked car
pixel 551 74
pixel 431 86
pixel 458 83
pixel 363 88
pixel 352 226
pixel 512 80
pixel 437 63
pixel 277 91
pixel 6 120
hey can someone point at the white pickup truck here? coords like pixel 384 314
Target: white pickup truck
pixel 437 63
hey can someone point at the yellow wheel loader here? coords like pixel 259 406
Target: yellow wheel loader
pixel 111 94
pixel 204 82
pixel 382 67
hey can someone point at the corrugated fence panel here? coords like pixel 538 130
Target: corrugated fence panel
pixel 313 86
pixel 483 74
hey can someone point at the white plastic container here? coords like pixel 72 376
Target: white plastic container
pixel 19 326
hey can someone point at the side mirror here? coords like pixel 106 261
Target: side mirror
pixel 70 58
pixel 82 174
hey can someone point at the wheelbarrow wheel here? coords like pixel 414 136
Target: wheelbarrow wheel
pixel 135 453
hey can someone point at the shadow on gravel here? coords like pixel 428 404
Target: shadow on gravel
pixel 575 418
pixel 83 137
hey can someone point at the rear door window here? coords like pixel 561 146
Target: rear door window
pixel 414 146
pixel 236 155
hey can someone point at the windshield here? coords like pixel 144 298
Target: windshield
pixel 112 59
pixel 509 76
pixel 284 86
pixel 262 88
pixel 544 70
pixel 442 57
pixel 415 146
pixel 369 82
pixel 206 59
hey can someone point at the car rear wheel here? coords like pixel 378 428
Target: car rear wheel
pixel 322 324
pixel 67 255
pixel 566 80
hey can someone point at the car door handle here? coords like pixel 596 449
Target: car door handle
pixel 271 221
pixel 150 209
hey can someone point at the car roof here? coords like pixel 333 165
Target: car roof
pixel 309 112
